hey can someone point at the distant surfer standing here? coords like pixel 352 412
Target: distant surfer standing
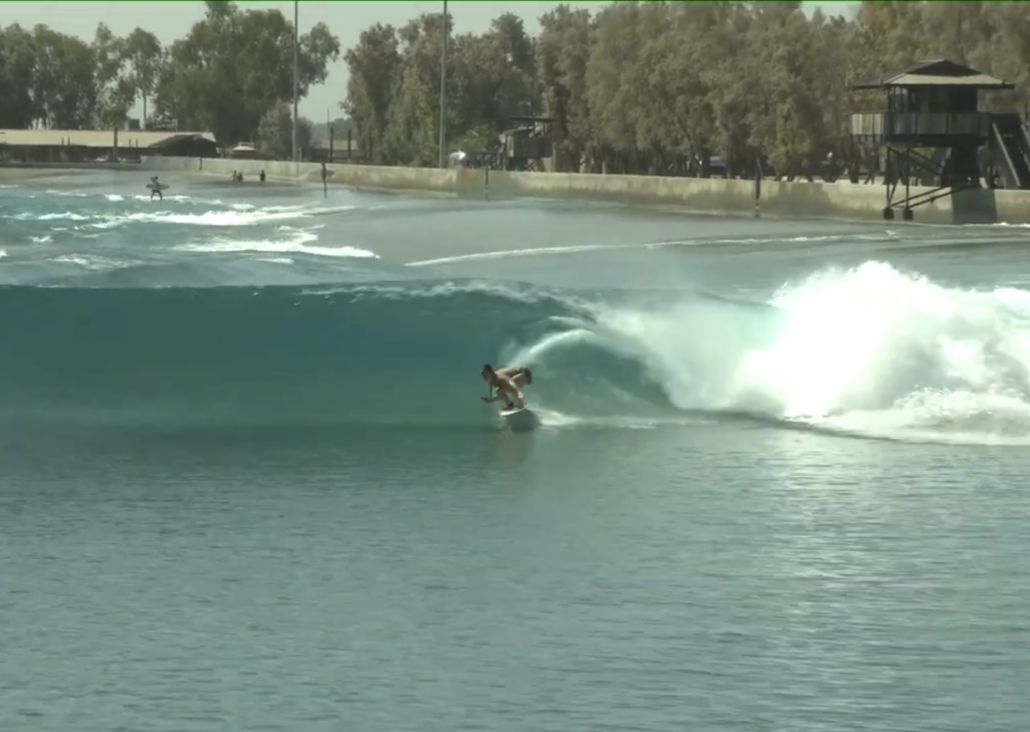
pixel 155 187
pixel 506 383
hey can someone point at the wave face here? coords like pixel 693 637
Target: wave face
pixel 394 353
pixel 869 350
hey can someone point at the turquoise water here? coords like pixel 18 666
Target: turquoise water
pixel 247 483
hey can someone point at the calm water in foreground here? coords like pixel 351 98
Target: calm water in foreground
pixel 247 483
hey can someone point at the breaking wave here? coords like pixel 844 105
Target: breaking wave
pixel 869 351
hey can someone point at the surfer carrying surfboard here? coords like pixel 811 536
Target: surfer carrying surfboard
pixel 155 187
pixel 506 383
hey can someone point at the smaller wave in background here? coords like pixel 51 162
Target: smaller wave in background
pixel 214 264
pixel 214 217
pixel 738 244
pixel 126 240
pixel 293 241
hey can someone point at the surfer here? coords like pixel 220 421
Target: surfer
pixel 506 383
pixel 155 187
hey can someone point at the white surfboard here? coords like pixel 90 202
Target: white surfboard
pixel 521 419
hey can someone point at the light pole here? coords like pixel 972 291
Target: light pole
pixel 296 75
pixel 443 90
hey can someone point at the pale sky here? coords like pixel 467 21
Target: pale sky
pixel 172 20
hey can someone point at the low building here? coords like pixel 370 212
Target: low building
pixel 82 146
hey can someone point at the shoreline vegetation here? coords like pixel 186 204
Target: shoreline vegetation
pixel 648 88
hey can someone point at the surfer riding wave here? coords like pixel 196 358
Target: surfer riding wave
pixel 505 383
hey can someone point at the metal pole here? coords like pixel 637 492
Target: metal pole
pixel 296 75
pixel 443 90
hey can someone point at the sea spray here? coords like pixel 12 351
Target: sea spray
pixel 870 340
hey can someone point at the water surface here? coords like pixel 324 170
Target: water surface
pixel 246 481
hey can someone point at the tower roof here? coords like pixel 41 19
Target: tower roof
pixel 940 72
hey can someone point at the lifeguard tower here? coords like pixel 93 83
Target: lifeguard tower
pixel 933 125
pixel 528 144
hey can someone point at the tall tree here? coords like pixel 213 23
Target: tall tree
pixel 275 132
pixel 412 130
pixel 17 69
pixel 373 64
pixel 236 65
pixel 115 92
pixel 563 55
pixel 145 56
pixel 65 86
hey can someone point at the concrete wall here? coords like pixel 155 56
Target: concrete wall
pixel 714 195
pixel 1012 207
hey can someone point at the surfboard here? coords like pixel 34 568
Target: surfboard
pixel 157 186
pixel 522 419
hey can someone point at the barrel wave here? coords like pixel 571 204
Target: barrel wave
pixel 391 353
pixel 870 350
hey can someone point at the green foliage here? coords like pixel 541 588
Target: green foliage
pixel 231 71
pixel 275 132
pixel 646 87
pixel 65 85
pixel 234 66
pixel 115 89
pixel 145 57
pixel 641 87
pixel 393 94
pixel 17 73
pixel 374 64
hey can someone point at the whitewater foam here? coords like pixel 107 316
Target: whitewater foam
pixel 214 218
pixel 554 419
pixel 870 350
pixel 299 242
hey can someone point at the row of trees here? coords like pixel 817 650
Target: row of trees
pixel 232 74
pixel 650 87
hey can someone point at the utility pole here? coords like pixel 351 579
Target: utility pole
pixel 443 90
pixel 296 74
